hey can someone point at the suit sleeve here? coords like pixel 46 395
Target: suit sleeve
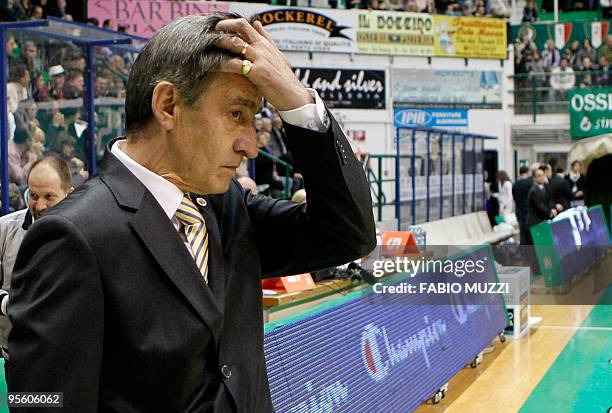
pixel 57 309
pixel 335 226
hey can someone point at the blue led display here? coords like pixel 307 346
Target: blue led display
pixel 370 352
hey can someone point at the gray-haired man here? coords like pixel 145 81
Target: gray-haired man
pixel 141 292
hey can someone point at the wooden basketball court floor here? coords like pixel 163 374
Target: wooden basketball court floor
pixel 563 364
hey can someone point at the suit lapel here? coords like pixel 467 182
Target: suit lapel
pixel 162 240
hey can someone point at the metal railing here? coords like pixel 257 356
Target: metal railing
pixel 288 177
pixel 535 94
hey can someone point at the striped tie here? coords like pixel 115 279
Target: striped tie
pixel 193 229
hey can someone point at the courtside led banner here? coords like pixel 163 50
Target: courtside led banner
pixel 368 352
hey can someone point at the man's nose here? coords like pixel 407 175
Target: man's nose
pixel 247 143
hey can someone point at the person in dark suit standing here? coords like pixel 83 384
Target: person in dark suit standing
pixel 558 191
pixel 520 192
pixel 540 209
pixel 141 291
pixel 577 183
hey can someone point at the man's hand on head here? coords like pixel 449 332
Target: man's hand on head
pixel 270 71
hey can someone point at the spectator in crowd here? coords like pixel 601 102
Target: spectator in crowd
pixel 248 184
pixel 48 183
pixel 265 167
pixel 11 47
pixel 571 54
pixel 530 12
pixel 504 196
pixel 603 78
pixel 57 79
pixel 75 62
pixel 539 208
pixel 26 115
pixel 101 86
pixel 23 151
pixel 562 79
pixel 299 196
pixel 577 183
pixel 30 59
pixel 21 9
pixel 548 171
pixel 62 147
pixel 606 49
pixel 108 24
pixel 537 68
pixel 558 190
pixel 586 51
pixel 92 21
pixel 551 55
pixel 17 90
pixel 15 198
pixel 586 75
pixel 36 13
pixel 40 91
pixel 74 85
pixel 57 8
pixel 520 192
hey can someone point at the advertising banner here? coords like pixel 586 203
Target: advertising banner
pixel 564 34
pixel 306 30
pixel 346 88
pixel 455 119
pixel 590 112
pixel 482 38
pixel 359 354
pixel 145 17
pixel 447 88
pixel 389 33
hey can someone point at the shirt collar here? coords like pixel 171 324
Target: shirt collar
pixel 167 195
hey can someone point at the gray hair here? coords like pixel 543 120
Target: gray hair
pixel 182 53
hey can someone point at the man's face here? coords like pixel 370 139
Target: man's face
pixel 539 177
pixel 586 63
pixel 25 79
pixel 57 81
pixel 78 83
pixel 278 122
pixel 101 85
pixel 266 125
pixel 31 50
pixel 209 140
pixel 45 190
pixel 563 63
pixel 11 44
pixel 576 167
pixel 37 13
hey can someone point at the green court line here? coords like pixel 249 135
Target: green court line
pixel 580 379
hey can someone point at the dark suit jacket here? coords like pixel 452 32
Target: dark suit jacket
pixel 539 206
pixel 559 192
pixel 520 193
pixel 580 186
pixel 109 308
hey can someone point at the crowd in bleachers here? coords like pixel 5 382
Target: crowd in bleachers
pixel 576 65
pixel 471 8
pixel 275 172
pixel 45 91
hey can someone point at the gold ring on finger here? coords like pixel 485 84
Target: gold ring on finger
pixel 244 49
pixel 246 67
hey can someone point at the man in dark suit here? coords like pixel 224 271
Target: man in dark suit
pixel 520 192
pixel 141 292
pixel 558 191
pixel 540 208
pixel 577 183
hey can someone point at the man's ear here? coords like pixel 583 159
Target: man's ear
pixel 164 101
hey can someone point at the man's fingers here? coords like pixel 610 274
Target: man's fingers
pixel 235 66
pixel 236 45
pixel 259 28
pixel 241 27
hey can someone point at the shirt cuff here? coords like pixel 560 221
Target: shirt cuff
pixel 4 304
pixel 311 116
